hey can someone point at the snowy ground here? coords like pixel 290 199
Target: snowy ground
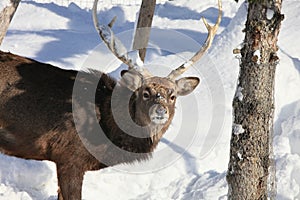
pixel 65 37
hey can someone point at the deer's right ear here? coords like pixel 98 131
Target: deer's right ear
pixel 187 85
pixel 131 79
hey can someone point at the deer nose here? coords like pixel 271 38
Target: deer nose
pixel 161 110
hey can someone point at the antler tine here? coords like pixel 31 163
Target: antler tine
pixel 212 30
pixel 112 42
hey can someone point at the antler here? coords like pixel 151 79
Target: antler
pixel 212 30
pixel 116 46
pixel 108 37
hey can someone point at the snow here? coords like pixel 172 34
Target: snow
pixel 257 55
pixel 240 156
pixel 136 59
pixel 239 93
pixel 237 129
pixel 270 13
pixel 191 161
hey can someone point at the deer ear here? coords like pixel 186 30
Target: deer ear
pixel 131 79
pixel 186 85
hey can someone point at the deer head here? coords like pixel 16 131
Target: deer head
pixel 156 94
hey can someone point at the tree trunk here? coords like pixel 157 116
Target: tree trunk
pixel 251 170
pixel 6 16
pixel 143 28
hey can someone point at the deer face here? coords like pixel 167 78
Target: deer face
pixel 156 96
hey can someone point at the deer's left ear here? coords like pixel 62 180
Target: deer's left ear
pixel 186 85
pixel 131 79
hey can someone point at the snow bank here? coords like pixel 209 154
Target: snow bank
pixel 23 179
pixel 287 152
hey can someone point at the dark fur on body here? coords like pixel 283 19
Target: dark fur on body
pixel 36 121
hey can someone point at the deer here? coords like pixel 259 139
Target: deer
pixel 42 118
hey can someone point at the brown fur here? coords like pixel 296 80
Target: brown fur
pixel 37 122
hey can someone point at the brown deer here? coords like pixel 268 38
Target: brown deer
pixel 42 117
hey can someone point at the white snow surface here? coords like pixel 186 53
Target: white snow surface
pixel 237 129
pixel 65 37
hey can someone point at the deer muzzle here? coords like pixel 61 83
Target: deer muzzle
pixel 158 114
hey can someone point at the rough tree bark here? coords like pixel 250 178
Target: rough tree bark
pixel 251 168
pixel 143 28
pixel 6 16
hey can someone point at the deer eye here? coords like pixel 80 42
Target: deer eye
pixel 173 97
pixel 146 95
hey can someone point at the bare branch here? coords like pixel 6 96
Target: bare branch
pixel 6 16
pixel 212 30
pixel 143 28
